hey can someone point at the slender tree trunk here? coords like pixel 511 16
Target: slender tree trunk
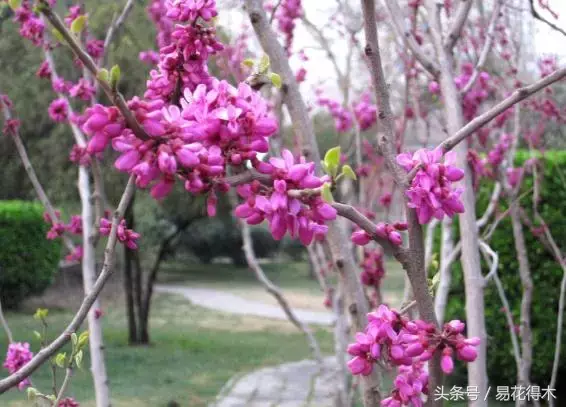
pixel 524 373
pixel 98 366
pixel 129 283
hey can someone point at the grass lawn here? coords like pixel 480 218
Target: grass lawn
pixel 194 352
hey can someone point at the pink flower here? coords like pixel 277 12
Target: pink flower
pixel 431 192
pixel 44 70
pixel 17 356
pixel 434 87
pixel 366 112
pixel 68 402
pixel 149 57
pixel 59 110
pixel 514 176
pixel 83 90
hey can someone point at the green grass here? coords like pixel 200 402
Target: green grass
pixel 194 352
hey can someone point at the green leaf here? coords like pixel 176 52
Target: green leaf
pixel 325 167
pixel 60 359
pixel 78 24
pixel 83 338
pixel 264 63
pixel 115 74
pixel 14 4
pixel 435 281
pixel 40 314
pixel 32 393
pixel 327 193
pixel 37 335
pixel 103 75
pixel 332 160
pixel 79 359
pixel 58 36
pixel 349 172
pixel 74 339
pixel 275 80
pixel 248 62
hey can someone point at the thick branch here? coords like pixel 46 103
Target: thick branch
pixel 108 267
pixel 455 32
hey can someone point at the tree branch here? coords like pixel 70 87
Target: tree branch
pixel 5 325
pixel 107 269
pixel 455 31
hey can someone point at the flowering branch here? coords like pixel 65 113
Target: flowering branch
pixel 537 15
pixel 516 97
pixel 115 96
pixel 107 269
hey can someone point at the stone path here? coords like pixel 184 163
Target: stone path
pixel 297 384
pixel 234 304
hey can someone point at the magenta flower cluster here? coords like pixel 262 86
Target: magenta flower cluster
pixel 125 236
pixel 431 192
pixel 479 92
pixel 74 226
pixel 18 355
pixel 382 230
pixel 288 13
pixel 394 339
pixel 365 112
pixel 373 269
pixel 343 119
pixel 301 215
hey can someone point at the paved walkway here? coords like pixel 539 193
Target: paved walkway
pixel 234 304
pixel 297 384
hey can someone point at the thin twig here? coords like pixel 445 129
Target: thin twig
pixel 5 325
pixel 64 385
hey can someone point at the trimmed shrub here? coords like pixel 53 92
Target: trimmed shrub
pixel 546 275
pixel 28 261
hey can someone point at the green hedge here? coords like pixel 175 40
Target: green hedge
pixel 546 275
pixel 28 261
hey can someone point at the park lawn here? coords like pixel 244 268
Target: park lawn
pixel 193 354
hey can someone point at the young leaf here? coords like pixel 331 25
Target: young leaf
pixel 115 74
pixel 83 338
pixel 103 75
pixel 74 339
pixel 32 393
pixel 349 172
pixel 325 167
pixel 79 359
pixel 263 64
pixel 327 193
pixel 40 313
pixel 275 80
pixel 332 160
pixel 37 335
pixel 58 36
pixel 78 24
pixel 60 359
pixel 14 4
pixel 248 62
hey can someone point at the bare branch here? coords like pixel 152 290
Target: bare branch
pixel 516 97
pixel 408 38
pixel 5 325
pixel 462 13
pixel 490 35
pixel 116 24
pixel 107 269
pixel 537 15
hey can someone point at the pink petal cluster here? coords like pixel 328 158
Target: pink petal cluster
pixel 79 155
pixel 496 156
pixel 431 192
pixel 301 215
pixel 342 116
pixel 289 11
pixel 191 10
pixel 17 356
pixel 382 230
pixel 59 110
pixel 68 402
pixel 44 70
pixel 31 26
pixel 149 57
pixel 95 48
pixel 365 111
pixel 479 92
pixel 125 236
pixel 75 255
pixel 74 12
pixel 373 268
pixel 75 225
pixel 514 176
pixel 83 90
pixel 396 340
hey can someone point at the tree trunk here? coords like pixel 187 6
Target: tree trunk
pixel 98 366
pixel 129 282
